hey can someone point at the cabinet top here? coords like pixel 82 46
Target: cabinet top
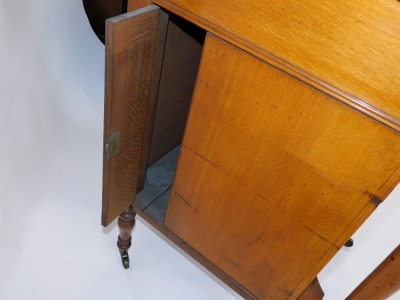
pixel 348 49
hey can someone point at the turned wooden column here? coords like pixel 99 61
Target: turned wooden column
pixel 383 282
pixel 126 222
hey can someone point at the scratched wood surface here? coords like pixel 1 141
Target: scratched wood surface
pixel 349 49
pixel 274 176
pixel 130 45
pixel 383 282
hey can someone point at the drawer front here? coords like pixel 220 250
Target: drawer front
pixel 130 49
pixel 274 176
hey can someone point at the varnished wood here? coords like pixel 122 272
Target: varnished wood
pixel 181 61
pixel 130 47
pixel 276 172
pixel 383 282
pixel 178 53
pixel 313 292
pixel 136 4
pixel 154 92
pixel 143 206
pixel 348 49
pixel 274 176
pixel 126 222
pixel 195 255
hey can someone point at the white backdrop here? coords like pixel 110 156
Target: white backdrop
pixel 51 113
pixel 51 243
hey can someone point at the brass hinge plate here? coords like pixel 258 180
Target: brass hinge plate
pixel 111 147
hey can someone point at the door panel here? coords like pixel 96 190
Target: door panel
pixel 130 50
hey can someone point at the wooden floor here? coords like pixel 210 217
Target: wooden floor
pixel 153 199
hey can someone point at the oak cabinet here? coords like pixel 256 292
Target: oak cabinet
pixel 282 150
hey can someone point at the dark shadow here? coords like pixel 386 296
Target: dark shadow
pixel 98 11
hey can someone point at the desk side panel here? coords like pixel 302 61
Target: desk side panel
pixel 347 49
pixel 274 176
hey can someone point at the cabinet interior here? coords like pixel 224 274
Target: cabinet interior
pixel 181 58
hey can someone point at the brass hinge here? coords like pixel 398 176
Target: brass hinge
pixel 111 147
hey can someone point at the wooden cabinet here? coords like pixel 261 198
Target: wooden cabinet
pixel 290 142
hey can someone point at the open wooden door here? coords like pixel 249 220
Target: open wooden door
pixel 131 41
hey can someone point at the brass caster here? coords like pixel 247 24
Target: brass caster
pixel 349 243
pixel 125 259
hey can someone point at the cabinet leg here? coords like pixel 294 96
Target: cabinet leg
pixel 126 222
pixel 349 243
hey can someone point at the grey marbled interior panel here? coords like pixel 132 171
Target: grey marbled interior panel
pixel 153 199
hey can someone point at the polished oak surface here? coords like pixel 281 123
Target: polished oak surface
pixel 284 154
pixel 349 49
pixel 136 4
pixel 274 176
pixel 130 47
pixel 313 292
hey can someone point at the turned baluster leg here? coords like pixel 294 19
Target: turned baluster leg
pixel 126 222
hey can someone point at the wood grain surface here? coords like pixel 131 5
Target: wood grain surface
pixel 274 176
pixel 136 4
pixel 313 292
pixel 181 62
pixel 130 47
pixel 348 49
pixel 153 97
pixel 177 58
pixel 383 282
pixel 195 255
